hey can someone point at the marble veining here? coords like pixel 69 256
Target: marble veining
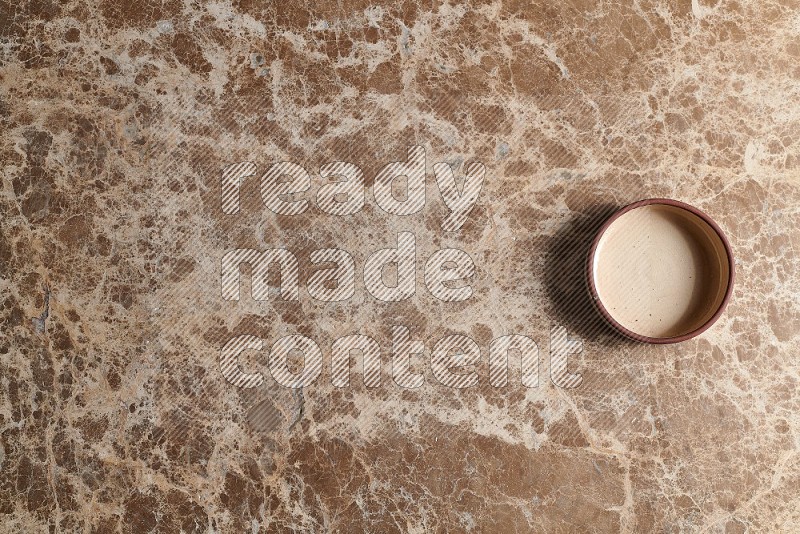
pixel 117 121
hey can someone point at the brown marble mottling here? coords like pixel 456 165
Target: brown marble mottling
pixel 116 119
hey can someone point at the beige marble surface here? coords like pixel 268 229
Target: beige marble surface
pixel 117 120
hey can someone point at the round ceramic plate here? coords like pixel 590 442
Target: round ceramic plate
pixel 660 271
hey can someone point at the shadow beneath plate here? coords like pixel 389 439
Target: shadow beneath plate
pixel 565 277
